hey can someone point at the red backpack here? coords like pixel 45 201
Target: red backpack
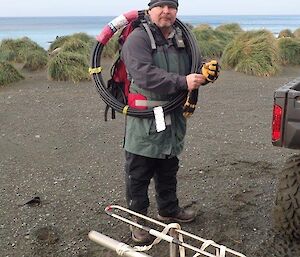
pixel 119 84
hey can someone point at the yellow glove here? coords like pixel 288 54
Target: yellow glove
pixel 190 104
pixel 210 70
pixel 189 107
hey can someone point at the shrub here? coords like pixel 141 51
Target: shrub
pixel 289 51
pixel 8 74
pixel 252 52
pixel 211 42
pixel 285 33
pixel 68 66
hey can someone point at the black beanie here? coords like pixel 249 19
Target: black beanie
pixel 154 3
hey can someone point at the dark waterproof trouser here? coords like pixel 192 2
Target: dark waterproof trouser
pixel 138 172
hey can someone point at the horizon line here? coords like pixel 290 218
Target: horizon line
pixel 70 16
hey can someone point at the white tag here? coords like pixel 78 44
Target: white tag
pixel 159 118
pixel 119 22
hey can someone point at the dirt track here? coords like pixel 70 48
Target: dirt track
pixel 55 145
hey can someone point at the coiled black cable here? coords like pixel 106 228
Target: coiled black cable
pixel 111 101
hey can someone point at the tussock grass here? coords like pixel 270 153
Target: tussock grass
pixel 289 51
pixel 202 26
pixel 68 66
pixel 253 53
pixel 7 54
pixel 285 33
pixel 297 33
pixel 72 56
pixel 212 42
pixel 35 60
pixel 112 48
pixel 8 74
pixel 77 45
pixel 234 28
pixel 25 51
pixel 13 50
pixel 71 60
pixel 60 41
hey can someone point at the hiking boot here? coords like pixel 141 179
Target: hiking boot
pixel 139 235
pixel 183 216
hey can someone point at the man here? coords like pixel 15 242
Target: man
pixel 157 75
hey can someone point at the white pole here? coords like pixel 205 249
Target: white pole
pixel 121 248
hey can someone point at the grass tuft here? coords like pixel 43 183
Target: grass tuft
pixel 24 51
pixel 285 33
pixel 212 42
pixel 253 53
pixel 71 58
pixel 234 28
pixel 60 41
pixel 111 49
pixel 8 74
pixel 67 66
pixel 289 51
pixel 297 33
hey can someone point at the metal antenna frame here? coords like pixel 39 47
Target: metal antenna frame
pixel 175 238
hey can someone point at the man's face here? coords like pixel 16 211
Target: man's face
pixel 163 16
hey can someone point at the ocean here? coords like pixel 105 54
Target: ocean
pixel 44 30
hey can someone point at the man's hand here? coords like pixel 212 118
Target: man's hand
pixel 195 80
pixel 210 70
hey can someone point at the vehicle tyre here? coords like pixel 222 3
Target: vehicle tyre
pixel 287 204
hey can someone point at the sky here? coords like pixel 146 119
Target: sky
pixel 25 8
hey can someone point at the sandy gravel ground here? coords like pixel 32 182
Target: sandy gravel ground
pixel 55 145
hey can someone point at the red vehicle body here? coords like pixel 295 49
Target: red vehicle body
pixel 286 133
pixel 286 116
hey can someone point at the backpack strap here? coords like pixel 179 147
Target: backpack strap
pixel 149 32
pixel 178 38
pixel 152 30
pixel 145 22
pixel 113 113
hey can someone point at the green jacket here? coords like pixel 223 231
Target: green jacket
pixel 161 80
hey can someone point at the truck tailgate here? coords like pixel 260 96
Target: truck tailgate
pixel 288 98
